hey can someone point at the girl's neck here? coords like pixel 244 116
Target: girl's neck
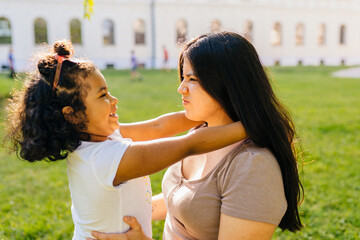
pixel 98 138
pixel 92 137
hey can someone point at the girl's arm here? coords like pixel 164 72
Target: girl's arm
pixel 144 158
pixel 236 228
pixel 158 207
pixel 164 126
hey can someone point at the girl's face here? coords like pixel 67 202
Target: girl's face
pixel 199 105
pixel 100 107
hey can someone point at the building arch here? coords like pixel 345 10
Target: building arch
pixel 322 35
pixel 108 32
pixel 181 31
pixel 300 34
pixel 215 26
pixel 75 31
pixel 342 36
pixel 5 31
pixel 139 32
pixel 40 31
pixel 276 34
pixel 248 31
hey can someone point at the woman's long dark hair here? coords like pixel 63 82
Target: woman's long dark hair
pixel 229 69
pixel 36 126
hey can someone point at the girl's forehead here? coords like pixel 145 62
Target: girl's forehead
pixel 96 81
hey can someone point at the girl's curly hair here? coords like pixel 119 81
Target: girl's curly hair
pixel 37 128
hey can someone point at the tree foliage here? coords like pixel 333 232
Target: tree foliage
pixel 88 8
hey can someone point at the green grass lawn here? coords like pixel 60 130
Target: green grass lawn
pixel 35 201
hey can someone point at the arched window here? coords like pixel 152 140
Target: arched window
pixel 248 31
pixel 139 30
pixel 299 34
pixel 342 35
pixel 75 31
pixel 322 35
pixel 5 31
pixel 108 32
pixel 276 35
pixel 40 30
pixel 215 26
pixel 181 31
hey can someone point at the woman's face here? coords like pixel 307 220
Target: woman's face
pixel 198 104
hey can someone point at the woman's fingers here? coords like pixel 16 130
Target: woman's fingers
pixel 135 229
pixel 107 236
pixel 133 223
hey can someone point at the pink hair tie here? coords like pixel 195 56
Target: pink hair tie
pixel 60 60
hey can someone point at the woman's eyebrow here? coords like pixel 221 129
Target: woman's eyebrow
pixel 190 73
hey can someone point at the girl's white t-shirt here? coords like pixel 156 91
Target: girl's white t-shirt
pixel 96 204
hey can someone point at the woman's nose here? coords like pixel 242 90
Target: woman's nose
pixel 182 88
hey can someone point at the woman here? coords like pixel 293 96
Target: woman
pixel 243 191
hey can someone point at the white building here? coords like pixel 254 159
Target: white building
pixel 285 32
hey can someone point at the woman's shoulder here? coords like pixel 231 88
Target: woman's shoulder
pixel 248 151
pixel 250 158
pixel 252 184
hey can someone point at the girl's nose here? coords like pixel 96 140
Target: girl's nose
pixel 182 88
pixel 114 100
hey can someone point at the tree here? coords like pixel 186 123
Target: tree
pixel 88 8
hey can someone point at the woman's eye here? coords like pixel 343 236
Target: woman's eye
pixel 193 80
pixel 103 95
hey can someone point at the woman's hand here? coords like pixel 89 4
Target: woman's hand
pixel 135 232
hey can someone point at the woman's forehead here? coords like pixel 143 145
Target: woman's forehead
pixel 187 68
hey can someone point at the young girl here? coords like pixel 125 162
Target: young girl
pixel 66 111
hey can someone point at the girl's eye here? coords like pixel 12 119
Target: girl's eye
pixel 103 95
pixel 193 80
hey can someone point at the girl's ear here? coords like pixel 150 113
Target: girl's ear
pixel 69 115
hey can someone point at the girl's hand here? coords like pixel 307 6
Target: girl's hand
pixel 135 232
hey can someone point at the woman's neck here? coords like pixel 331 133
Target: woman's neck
pixel 219 120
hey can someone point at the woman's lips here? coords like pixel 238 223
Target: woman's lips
pixel 185 102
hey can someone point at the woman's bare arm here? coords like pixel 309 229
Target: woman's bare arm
pixel 236 228
pixel 158 207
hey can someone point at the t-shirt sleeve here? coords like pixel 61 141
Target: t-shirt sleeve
pixel 252 188
pixel 106 160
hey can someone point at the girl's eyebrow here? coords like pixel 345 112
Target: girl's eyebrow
pixel 102 89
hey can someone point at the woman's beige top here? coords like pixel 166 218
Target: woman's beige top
pixel 246 184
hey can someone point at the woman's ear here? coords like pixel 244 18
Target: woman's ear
pixel 69 115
